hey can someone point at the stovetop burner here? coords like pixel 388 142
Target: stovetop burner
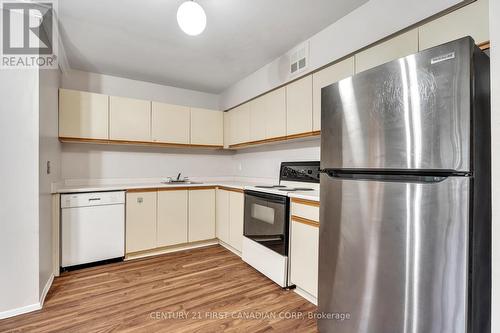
pixel 270 186
pixel 293 189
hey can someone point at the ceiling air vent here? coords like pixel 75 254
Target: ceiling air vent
pixel 299 58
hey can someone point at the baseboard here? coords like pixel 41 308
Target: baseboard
pixel 306 295
pixel 46 289
pixel 230 248
pixel 19 311
pixel 170 249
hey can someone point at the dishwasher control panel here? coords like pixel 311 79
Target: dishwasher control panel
pixel 92 199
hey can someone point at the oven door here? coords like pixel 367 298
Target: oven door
pixel 266 220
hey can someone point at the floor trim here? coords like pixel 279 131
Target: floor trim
pixel 230 248
pixel 19 311
pixel 46 289
pixel 306 295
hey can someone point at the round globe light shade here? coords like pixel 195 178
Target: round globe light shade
pixel 191 18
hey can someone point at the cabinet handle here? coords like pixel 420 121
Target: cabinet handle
pixel 94 199
pixel 140 200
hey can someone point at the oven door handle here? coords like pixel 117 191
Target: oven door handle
pixel 267 196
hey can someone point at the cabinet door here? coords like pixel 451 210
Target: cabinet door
pixel 207 127
pixel 170 123
pixel 172 217
pixel 471 20
pixel 299 105
pixel 275 113
pixel 201 215
pixel 304 246
pixel 236 215
pixel 129 119
pixel 140 221
pixel 83 115
pixel 222 215
pixel 397 47
pixel 227 121
pixel 325 77
pixel 258 119
pixel 239 124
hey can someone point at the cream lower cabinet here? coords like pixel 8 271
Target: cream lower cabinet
pixel 140 221
pixel 170 123
pixel 299 106
pixel 325 77
pixel 172 217
pixel 83 115
pixel 201 215
pixel 236 216
pixel 207 127
pixel 229 217
pixel 222 215
pixel 397 47
pixel 129 119
pixel 304 247
pixel 471 20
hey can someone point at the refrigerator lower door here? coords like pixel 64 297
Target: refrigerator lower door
pixel 393 256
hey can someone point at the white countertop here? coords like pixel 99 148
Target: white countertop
pixel 129 185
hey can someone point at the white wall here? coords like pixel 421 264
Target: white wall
pixel 49 150
pixel 495 155
pixel 19 189
pixel 112 85
pixel 82 161
pixel 367 24
pixel 264 162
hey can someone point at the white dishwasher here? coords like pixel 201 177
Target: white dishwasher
pixel 92 227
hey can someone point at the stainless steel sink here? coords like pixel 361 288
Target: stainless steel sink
pixel 180 182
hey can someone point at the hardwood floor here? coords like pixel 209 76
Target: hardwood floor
pixel 201 290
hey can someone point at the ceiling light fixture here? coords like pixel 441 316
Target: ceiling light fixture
pixel 191 18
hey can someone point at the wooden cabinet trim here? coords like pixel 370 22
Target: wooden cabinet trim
pixel 484 46
pixel 276 139
pixel 230 189
pixel 139 190
pixel 138 143
pixel 305 202
pixel 302 220
pixel 174 188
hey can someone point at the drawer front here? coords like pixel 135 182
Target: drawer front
pixel 305 209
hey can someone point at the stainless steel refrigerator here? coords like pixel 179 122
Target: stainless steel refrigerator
pixel 405 232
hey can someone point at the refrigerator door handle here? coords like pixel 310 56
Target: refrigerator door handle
pixel 389 177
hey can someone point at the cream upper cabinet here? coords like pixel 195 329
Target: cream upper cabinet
pixel 258 119
pixel 227 121
pixel 299 106
pixel 239 124
pixel 201 215
pixel 83 115
pixel 170 123
pixel 275 103
pixel 140 223
pixel 222 215
pixel 207 127
pixel 325 77
pixel 471 20
pixel 236 216
pixel 304 247
pixel 129 119
pixel 172 220
pixel 397 47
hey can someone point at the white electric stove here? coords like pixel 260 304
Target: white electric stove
pixel 266 224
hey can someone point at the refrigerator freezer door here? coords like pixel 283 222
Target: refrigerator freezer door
pixel 393 256
pixel 411 113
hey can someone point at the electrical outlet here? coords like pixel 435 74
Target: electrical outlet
pixel 48 167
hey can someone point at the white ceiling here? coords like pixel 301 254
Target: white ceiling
pixel 141 40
